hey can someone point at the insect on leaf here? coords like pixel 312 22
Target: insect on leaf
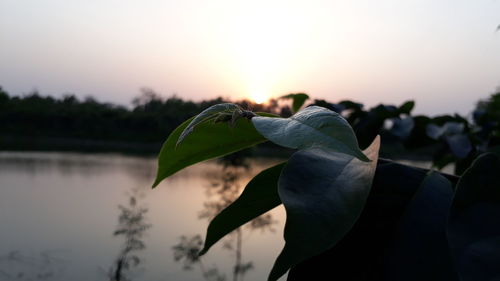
pixel 208 114
pixel 209 140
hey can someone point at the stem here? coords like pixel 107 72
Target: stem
pixel 237 266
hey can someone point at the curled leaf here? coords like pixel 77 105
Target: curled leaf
pixel 212 112
pixel 311 127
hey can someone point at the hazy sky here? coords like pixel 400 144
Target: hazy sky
pixel 445 54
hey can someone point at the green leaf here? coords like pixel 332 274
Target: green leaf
pixel 208 141
pixel 407 107
pixel 313 126
pixel 323 193
pixel 298 100
pixel 260 195
pixel 213 112
pixel 474 222
pixel 419 250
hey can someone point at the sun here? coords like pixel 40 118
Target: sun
pixel 259 97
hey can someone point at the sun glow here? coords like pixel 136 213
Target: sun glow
pixel 262 51
pixel 259 97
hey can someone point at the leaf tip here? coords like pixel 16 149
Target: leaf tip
pixel 361 156
pixel 155 183
pixel 159 177
pixel 202 252
pixel 371 152
pixel 274 275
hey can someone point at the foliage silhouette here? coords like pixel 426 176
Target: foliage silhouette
pixel 325 190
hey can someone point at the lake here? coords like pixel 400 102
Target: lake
pixel 72 216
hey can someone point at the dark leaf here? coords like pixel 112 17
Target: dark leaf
pixel 298 100
pixel 371 124
pixel 332 106
pixel 259 196
pixel 347 104
pixel 420 247
pixel 402 127
pixel 474 222
pixel 459 145
pixel 323 193
pixel 407 107
pixel 449 128
pixel 359 256
pixel 433 131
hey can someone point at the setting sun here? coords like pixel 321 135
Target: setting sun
pixel 259 97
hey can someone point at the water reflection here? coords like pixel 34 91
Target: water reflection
pixel 187 252
pixel 132 226
pixel 51 200
pixel 17 265
pixel 69 164
pixel 223 189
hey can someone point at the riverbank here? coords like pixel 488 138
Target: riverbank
pixel 22 143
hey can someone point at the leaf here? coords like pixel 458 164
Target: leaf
pixel 407 107
pixel 208 141
pixel 259 196
pixel 298 100
pixel 212 112
pixel 433 131
pixel 420 248
pixel 359 256
pixel 311 127
pixel 323 193
pixel 355 106
pixel 371 123
pixel 459 145
pixel 402 127
pixel 448 129
pixel 474 222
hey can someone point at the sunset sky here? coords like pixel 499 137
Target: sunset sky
pixel 445 54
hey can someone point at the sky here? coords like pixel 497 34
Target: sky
pixel 444 54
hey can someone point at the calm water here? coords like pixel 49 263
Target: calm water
pixel 59 213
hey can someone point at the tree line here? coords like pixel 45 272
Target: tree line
pixel 445 139
pixel 150 119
